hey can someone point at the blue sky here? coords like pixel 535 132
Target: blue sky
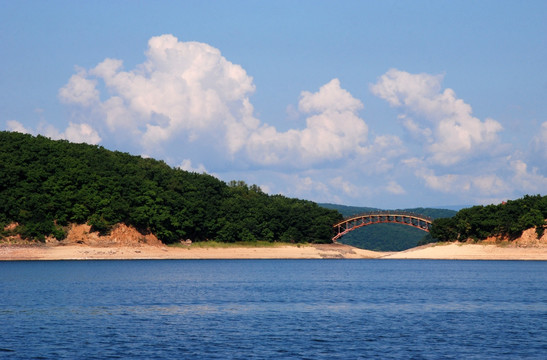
pixel 389 104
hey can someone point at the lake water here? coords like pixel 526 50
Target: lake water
pixel 274 309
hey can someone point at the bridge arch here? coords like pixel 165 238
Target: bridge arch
pixel 380 217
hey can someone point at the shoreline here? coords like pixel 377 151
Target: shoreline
pixel 451 251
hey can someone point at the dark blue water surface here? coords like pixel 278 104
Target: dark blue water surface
pixel 303 309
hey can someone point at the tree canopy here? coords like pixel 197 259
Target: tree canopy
pixel 508 219
pixel 46 185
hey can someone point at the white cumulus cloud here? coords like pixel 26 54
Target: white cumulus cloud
pixel 184 90
pixel 16 126
pixel 187 166
pixel 81 133
pixel 76 133
pixel 330 97
pixel 333 130
pixel 443 121
pixel 79 90
pixel 190 104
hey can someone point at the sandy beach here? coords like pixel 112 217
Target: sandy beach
pixel 86 252
pixel 125 243
pixel 459 251
pixel 332 251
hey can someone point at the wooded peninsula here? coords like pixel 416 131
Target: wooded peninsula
pixel 47 185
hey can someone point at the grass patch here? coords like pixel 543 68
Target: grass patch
pixel 441 243
pixel 223 245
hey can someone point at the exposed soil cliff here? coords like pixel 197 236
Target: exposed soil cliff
pixel 121 235
pixel 527 239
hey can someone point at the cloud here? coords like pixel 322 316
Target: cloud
pixel 187 166
pixel 186 95
pixel 448 183
pixel 382 155
pixel 16 126
pixel 301 185
pixel 439 118
pixel 182 91
pixel 529 180
pixel 462 156
pixel 539 143
pixel 189 93
pixel 189 104
pixel 81 133
pixel 394 188
pixel 339 183
pixel 505 178
pixel 79 90
pixel 330 97
pixel 333 131
pixel 489 184
pixel 77 133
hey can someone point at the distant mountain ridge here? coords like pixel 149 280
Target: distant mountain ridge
pixel 386 237
pixel 346 210
pixel 453 207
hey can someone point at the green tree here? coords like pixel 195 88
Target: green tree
pixel 47 184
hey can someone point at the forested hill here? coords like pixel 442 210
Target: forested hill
pixel 387 237
pixel 46 185
pixel 506 220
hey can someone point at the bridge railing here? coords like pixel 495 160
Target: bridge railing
pixel 390 212
pixel 356 221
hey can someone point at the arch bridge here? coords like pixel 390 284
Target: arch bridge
pixel 380 217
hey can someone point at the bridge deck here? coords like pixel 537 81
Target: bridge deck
pixel 379 217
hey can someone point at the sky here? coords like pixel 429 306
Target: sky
pixel 387 104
